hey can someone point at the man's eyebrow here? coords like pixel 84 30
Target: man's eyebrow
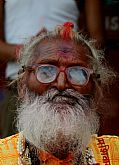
pixel 46 61
pixel 55 62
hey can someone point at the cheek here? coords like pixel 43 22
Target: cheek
pixel 88 89
pixel 36 86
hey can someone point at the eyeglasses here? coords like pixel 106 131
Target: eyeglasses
pixel 46 73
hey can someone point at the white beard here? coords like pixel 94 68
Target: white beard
pixel 58 123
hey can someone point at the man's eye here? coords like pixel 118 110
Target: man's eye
pixel 46 73
pixel 77 75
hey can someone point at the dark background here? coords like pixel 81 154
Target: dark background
pixel 111 15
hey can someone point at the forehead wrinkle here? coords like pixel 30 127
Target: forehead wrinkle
pixel 60 61
pixel 49 48
pixel 55 44
pixel 72 62
pixel 74 47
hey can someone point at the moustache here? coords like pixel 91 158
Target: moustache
pixel 68 96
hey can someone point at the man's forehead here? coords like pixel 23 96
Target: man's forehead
pixel 66 48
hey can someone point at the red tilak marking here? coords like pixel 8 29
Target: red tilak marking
pixel 63 54
pixel 67 29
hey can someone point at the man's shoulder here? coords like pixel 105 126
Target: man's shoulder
pixel 107 138
pixel 105 149
pixel 104 140
pixel 8 150
pixel 9 140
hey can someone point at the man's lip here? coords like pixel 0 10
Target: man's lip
pixel 65 96
pixel 64 99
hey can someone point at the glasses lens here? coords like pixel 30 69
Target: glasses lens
pixel 46 73
pixel 77 75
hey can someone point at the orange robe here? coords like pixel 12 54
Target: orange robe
pixel 104 148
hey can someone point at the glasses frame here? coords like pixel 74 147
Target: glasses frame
pixel 34 68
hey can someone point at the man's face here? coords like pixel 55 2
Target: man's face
pixel 62 54
pixel 59 116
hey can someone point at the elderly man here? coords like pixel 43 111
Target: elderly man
pixel 61 90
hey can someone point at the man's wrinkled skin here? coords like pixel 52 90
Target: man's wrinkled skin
pixel 61 54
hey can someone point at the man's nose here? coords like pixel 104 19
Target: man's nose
pixel 61 83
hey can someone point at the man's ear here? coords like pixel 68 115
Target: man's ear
pixel 22 85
